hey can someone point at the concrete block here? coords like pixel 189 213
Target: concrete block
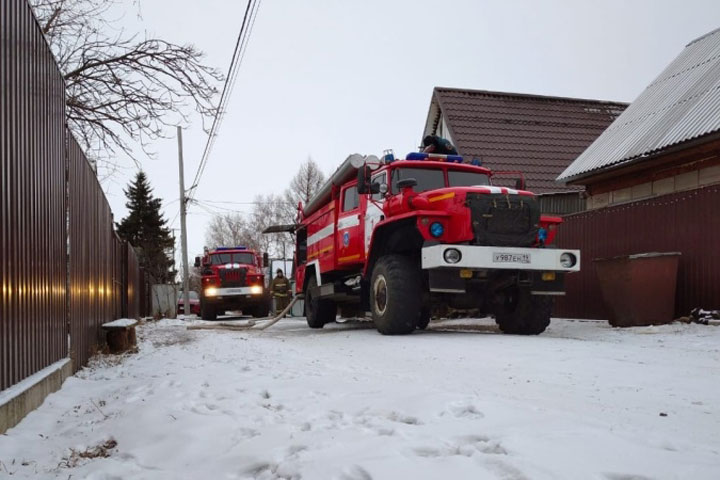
pixel 24 397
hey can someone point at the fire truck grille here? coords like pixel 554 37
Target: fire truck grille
pixel 503 220
pixel 234 277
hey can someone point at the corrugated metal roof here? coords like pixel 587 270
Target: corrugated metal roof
pixel 538 135
pixel 683 103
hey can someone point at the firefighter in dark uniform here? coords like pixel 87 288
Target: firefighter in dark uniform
pixel 280 289
pixel 439 145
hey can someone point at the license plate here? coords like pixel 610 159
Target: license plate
pixel 232 291
pixel 499 257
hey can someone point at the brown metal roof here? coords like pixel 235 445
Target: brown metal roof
pixel 538 135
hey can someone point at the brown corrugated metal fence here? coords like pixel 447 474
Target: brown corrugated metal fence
pixel 131 282
pixel 145 303
pixel 33 260
pixel 686 222
pixel 92 257
pixel 46 186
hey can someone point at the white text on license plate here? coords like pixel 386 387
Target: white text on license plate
pixel 499 257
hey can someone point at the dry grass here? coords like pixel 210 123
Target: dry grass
pixel 76 457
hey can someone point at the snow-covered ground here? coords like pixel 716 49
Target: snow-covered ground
pixel 582 401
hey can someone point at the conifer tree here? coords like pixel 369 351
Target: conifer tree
pixel 146 230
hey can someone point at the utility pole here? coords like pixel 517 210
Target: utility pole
pixel 183 229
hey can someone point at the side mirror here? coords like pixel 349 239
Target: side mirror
pixel 363 180
pixel 266 260
pixel 197 262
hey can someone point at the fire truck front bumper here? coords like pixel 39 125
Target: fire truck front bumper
pixel 500 258
pixel 464 269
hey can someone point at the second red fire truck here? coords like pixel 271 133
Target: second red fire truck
pixel 233 279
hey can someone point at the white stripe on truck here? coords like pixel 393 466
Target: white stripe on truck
pixel 320 234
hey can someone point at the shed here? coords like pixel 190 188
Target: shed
pixel 653 179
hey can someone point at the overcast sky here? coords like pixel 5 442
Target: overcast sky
pixel 327 78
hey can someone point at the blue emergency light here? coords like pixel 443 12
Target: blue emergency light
pixel 434 156
pixel 542 235
pixel 223 249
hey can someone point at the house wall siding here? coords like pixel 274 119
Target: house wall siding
pixel 678 172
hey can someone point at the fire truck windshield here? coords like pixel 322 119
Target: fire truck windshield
pixel 431 179
pixel 223 258
pixel 458 178
pixel 427 179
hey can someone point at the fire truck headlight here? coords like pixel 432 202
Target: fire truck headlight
pixel 567 260
pixel 436 229
pixel 211 292
pixel 256 289
pixel 452 255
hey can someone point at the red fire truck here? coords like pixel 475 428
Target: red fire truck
pixel 233 279
pixel 409 239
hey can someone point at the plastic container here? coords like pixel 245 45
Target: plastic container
pixel 639 290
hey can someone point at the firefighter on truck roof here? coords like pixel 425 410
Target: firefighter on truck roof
pixel 439 145
pixel 281 291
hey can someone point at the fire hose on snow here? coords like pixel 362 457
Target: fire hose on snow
pixel 251 324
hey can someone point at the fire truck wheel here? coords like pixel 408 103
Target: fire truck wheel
pixel 522 313
pixel 207 312
pixel 318 312
pixel 424 319
pixel 395 295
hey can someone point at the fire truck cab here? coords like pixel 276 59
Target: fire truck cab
pixel 233 279
pixel 409 239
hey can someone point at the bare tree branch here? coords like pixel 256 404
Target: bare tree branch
pixel 303 186
pixel 121 90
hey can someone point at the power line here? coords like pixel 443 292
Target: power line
pixel 217 209
pixel 219 114
pixel 238 54
pixel 174 218
pixel 223 202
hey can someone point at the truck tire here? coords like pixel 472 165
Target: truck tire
pixel 395 295
pixel 522 313
pixel 318 312
pixel 207 312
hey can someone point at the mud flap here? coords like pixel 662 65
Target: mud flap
pixel 446 280
pixel 547 283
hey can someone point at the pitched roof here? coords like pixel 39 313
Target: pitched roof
pixel 538 135
pixel 683 103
